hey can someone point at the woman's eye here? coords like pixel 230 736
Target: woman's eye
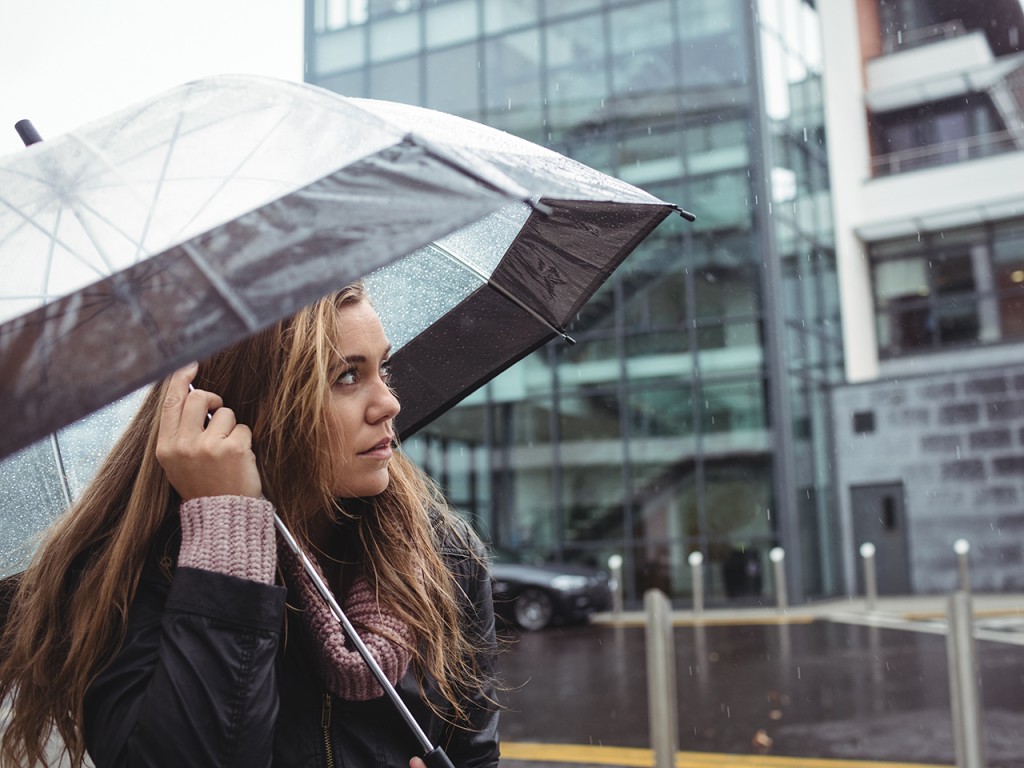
pixel 346 377
pixel 385 371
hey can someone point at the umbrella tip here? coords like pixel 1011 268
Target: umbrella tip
pixel 542 208
pixel 685 214
pixel 27 132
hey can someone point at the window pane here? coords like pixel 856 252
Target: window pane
pixel 733 406
pixel 642 50
pixel 513 75
pixel 522 495
pixel 665 515
pixel 1008 255
pixel 503 16
pixel 649 158
pixel 711 44
pixel 590 416
pixel 453 81
pixel 658 353
pixel 452 23
pixel 346 83
pixel 394 37
pixel 900 279
pixel 591 452
pixel 737 499
pixel 664 410
pixel 340 50
pixel 577 82
pixel 397 81
pixel 726 291
pixel 724 200
pixel 554 8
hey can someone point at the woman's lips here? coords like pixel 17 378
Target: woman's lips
pixel 381 450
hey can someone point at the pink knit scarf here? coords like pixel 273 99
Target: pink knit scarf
pixel 388 638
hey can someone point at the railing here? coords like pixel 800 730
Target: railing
pixel 915 38
pixel 946 153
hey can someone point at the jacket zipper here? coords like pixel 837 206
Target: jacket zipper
pixel 325 723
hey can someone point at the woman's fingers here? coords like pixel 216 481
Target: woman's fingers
pixel 221 423
pixel 174 400
pixel 203 459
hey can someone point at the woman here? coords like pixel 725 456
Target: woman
pixel 161 624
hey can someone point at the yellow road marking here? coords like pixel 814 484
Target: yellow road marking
pixel 720 622
pixel 992 613
pixel 634 757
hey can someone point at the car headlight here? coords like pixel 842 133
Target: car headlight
pixel 567 583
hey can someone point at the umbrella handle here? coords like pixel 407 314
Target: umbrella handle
pixel 434 757
pixel 28 133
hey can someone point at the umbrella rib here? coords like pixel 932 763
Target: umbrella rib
pixel 234 174
pixel 58 457
pixel 71 251
pixel 222 288
pixel 172 142
pixel 98 153
pixel 503 291
pixel 45 286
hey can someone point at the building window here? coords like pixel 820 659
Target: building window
pixel 338 14
pixel 938 133
pixel 949 289
pixel 863 422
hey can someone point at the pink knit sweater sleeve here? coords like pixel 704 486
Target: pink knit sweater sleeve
pixel 233 535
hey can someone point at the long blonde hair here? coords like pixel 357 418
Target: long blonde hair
pixel 68 616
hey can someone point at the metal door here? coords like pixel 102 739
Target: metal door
pixel 879 517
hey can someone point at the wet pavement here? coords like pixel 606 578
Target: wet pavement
pixel 810 687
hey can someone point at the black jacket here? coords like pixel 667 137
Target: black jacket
pixel 204 678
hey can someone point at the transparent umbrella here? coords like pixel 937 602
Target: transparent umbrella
pixel 180 225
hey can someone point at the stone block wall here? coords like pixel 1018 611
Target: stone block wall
pixel 956 442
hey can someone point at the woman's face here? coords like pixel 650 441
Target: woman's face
pixel 360 406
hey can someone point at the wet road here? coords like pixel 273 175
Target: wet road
pixel 818 689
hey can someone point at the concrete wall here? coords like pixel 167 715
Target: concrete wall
pixel 955 440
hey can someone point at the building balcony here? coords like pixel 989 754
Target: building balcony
pixel 945 153
pixel 988 188
pixel 929 73
pixel 949 102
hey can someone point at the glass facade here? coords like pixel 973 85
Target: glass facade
pixel 690 415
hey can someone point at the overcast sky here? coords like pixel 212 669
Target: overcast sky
pixel 67 62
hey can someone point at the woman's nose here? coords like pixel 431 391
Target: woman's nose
pixel 385 403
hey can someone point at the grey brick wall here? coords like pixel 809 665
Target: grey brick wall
pixel 956 442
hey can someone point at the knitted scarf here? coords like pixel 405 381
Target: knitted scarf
pixel 343 670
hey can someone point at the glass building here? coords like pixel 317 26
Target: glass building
pixel 692 414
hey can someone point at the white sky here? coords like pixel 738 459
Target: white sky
pixel 68 62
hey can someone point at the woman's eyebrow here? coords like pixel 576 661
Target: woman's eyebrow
pixel 358 359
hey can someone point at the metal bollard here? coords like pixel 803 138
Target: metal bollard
pixel 962 547
pixel 661 679
pixel 615 566
pixel 965 698
pixel 867 552
pixel 696 560
pixel 778 555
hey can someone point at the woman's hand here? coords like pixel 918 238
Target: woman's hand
pixel 417 762
pixel 201 459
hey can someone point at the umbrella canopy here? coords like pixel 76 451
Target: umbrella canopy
pixel 178 226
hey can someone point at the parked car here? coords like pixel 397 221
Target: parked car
pixel 534 595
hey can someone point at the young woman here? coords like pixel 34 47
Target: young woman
pixel 161 623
